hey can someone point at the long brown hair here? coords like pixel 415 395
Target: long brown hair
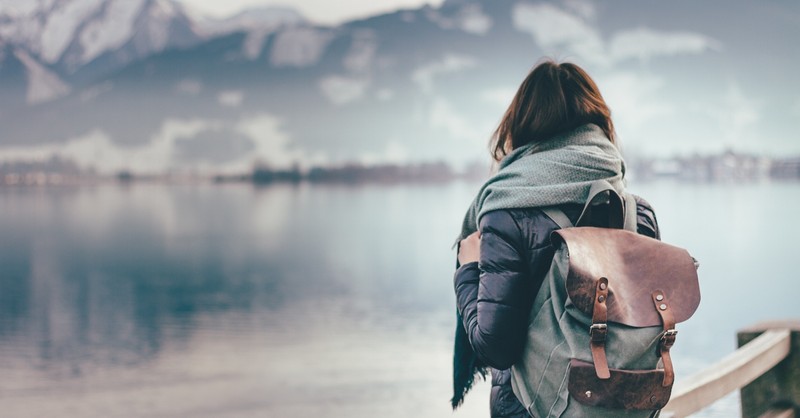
pixel 554 98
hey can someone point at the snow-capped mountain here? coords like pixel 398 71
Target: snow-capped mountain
pixel 66 43
pixel 69 35
pixel 415 84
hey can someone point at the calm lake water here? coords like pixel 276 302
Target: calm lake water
pixel 235 301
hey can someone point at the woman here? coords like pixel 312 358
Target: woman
pixel 554 140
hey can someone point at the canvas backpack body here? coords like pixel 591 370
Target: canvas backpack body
pixel 603 321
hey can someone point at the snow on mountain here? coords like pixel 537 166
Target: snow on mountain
pixel 111 30
pixel 258 23
pixel 59 46
pixel 43 84
pixel 60 28
pixel 299 47
pixel 257 19
pixel 68 35
pixel 76 41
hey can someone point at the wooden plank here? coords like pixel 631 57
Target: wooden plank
pixel 731 373
pixel 780 386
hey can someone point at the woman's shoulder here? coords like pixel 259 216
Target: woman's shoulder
pixel 528 226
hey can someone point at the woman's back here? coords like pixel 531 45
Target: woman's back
pixel 516 254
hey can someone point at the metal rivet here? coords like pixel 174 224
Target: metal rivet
pixel 588 393
pixel 601 298
pixel 659 297
pixel 603 286
pixel 663 306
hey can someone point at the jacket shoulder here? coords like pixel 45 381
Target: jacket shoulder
pixel 530 227
pixel 646 221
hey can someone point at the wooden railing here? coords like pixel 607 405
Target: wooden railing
pixel 766 368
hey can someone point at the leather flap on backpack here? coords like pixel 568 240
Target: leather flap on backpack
pixel 625 389
pixel 635 266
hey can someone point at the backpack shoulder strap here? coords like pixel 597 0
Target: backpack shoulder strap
pixel 558 216
pixel 602 191
pixel 630 213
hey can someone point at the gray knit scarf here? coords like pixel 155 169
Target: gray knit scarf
pixel 557 171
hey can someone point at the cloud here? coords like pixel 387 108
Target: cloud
pixel 634 100
pixel 95 143
pixel 584 8
pixel 200 145
pixel 272 145
pixel 732 118
pixel 499 96
pixel 737 115
pixel 341 90
pixel 157 155
pixel 97 151
pixel 394 152
pixel 443 116
pixel 469 18
pixel 644 43
pixel 384 94
pixel 555 29
pixel 230 98
pixel 424 76
pixel 190 86
pixel 473 20
pixel 560 31
pixel 214 147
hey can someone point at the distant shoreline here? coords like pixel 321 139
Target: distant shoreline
pixel 725 167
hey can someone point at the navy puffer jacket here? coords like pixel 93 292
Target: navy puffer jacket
pixel 495 295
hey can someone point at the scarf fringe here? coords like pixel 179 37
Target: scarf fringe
pixel 466 365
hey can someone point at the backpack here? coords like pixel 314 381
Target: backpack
pixel 603 322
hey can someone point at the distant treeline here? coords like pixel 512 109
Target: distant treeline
pixel 725 167
pixel 357 173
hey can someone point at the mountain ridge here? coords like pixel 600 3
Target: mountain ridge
pixel 425 83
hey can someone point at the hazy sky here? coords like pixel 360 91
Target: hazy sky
pixel 321 11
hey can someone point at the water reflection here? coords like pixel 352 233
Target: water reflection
pixel 94 276
pixel 211 300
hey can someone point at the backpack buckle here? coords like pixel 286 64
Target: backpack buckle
pixel 598 332
pixel 668 339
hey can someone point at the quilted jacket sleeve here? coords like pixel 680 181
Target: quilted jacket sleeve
pixel 646 222
pixel 494 297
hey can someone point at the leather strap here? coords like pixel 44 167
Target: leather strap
pixel 599 329
pixel 667 337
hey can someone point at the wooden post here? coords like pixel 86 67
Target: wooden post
pixel 780 386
